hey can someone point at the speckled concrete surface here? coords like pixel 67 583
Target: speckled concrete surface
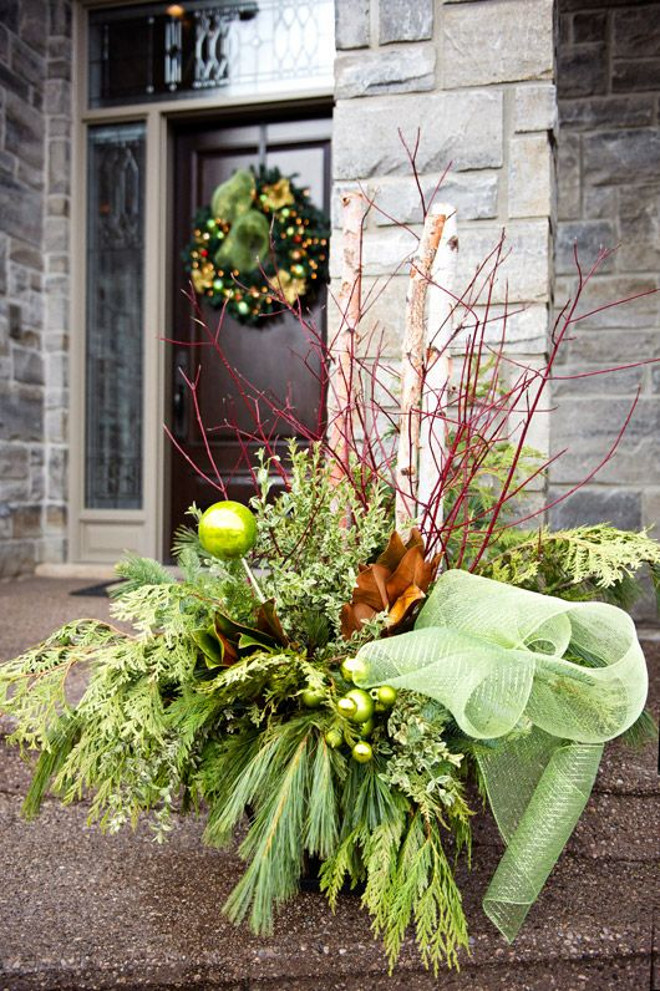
pixel 82 911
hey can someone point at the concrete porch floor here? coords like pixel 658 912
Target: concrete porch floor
pixel 82 911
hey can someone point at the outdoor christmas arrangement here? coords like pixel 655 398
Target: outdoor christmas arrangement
pixel 386 640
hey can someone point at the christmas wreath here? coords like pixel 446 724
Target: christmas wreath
pixel 259 245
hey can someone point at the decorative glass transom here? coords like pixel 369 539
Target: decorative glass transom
pixel 160 51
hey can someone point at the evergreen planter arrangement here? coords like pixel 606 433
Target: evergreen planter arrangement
pixel 340 660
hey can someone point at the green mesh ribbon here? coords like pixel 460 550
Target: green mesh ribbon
pixel 544 683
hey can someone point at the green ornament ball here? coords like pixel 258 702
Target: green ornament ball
pixel 364 705
pixel 227 530
pixel 312 698
pixel 386 695
pixel 243 308
pixel 346 707
pixel 362 752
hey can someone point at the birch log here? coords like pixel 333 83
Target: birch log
pixel 413 369
pixel 342 393
pixel 440 326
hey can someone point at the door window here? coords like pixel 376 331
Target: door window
pixel 114 312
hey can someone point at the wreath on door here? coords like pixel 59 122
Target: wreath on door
pixel 258 242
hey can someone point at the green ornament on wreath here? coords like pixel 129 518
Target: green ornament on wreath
pixel 260 240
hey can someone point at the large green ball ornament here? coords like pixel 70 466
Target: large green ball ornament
pixel 386 695
pixel 227 530
pixel 364 705
pixel 362 752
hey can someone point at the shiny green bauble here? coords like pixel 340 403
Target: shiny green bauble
pixel 346 707
pixel 364 705
pixel 362 752
pixel 334 738
pixel 227 530
pixel 386 695
pixel 312 698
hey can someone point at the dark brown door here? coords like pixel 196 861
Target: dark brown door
pixel 272 358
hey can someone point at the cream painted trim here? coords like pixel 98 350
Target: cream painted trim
pixel 96 535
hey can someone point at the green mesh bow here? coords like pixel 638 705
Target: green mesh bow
pixel 545 682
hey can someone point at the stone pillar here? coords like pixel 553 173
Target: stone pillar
pixel 477 76
pixel 23 58
pixel 609 194
pixel 35 62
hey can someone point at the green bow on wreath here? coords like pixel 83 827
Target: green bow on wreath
pixel 259 242
pixel 542 683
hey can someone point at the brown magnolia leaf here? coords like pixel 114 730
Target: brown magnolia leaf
pixel 404 606
pixel 371 587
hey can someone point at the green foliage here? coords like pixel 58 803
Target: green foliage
pixel 585 563
pixel 312 555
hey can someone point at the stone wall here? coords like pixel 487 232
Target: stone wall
pixel 609 194
pixel 34 55
pixel 486 108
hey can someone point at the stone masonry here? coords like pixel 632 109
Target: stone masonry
pixel 609 195
pixel 486 110
pixel 35 60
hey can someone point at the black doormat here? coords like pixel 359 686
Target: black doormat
pixel 101 589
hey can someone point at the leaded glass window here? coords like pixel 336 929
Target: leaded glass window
pixel 162 51
pixel 114 316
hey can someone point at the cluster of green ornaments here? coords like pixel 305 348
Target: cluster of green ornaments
pixel 228 530
pixel 358 711
pixel 259 240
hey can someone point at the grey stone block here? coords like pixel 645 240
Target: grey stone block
pixel 473 194
pixel 464 129
pixel 630 75
pixel 601 202
pixel 589 27
pixel 589 237
pixel 26 522
pixel 639 222
pixel 569 180
pixel 60 17
pixel 400 20
pixel 535 108
pixel 587 428
pixel 31 26
pixel 352 23
pixel 636 31
pixel 21 413
pixel 571 381
pixel 400 70
pixel 478 46
pixel 27 64
pixel 618 156
pixel 21 210
pixel 57 474
pixel 641 313
pixel 17 557
pixel 59 158
pixel 607 112
pixel 13 83
pixel 531 176
pixel 13 462
pixel 3 264
pixel 24 132
pixel 28 366
pixel 582 71
pixel 591 505
pixel 57 97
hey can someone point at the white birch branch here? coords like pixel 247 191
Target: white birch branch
pixel 341 400
pixel 412 370
pixel 440 326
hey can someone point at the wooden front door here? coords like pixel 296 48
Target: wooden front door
pixel 273 358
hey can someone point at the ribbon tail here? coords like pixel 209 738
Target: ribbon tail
pixel 551 781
